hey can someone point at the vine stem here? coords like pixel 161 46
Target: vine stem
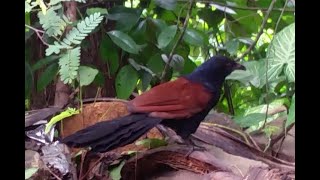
pixel 185 24
pixel 264 22
pixel 37 31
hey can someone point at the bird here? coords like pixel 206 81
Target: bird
pixel 179 104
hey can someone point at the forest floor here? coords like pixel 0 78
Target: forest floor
pixel 230 152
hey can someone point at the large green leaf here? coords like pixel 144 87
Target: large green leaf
pixel 242 76
pixel 166 4
pixel 126 81
pixel 250 119
pixel 166 36
pixel 156 64
pixel 124 41
pixel 281 54
pixel 126 17
pixel 292 114
pixel 232 46
pixel 212 18
pixel 189 66
pixel 87 75
pixel 47 76
pixel 109 54
pixel 194 37
pixel 139 33
pixel 28 79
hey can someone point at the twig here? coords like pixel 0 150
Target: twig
pixel 38 31
pixel 254 142
pixel 278 21
pixel 185 24
pixel 83 155
pixel 228 97
pixel 267 68
pixel 242 7
pixel 264 22
pixel 103 99
pixel 56 176
pixel 94 165
pixel 228 128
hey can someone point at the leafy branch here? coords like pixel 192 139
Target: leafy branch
pixel 264 22
pixel 185 24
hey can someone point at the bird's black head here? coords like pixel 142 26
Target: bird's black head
pixel 213 72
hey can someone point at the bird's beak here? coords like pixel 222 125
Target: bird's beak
pixel 239 67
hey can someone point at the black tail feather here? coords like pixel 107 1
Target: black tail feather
pixel 108 135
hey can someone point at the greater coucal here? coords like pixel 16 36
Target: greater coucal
pixel 180 104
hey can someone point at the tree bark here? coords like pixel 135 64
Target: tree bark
pixel 63 90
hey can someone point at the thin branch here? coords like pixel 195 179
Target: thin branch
pixel 244 8
pixel 38 31
pixel 185 24
pixel 56 176
pixel 264 22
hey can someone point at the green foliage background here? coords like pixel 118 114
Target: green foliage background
pixel 128 44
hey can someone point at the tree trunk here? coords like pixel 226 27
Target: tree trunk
pixel 62 90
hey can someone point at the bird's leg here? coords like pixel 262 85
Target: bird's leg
pixel 173 137
pixel 194 147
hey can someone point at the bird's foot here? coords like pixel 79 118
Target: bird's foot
pixel 195 147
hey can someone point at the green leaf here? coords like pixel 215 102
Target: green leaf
pixel 115 173
pixel 52 23
pixel 189 66
pixel 145 80
pixel 152 143
pixel 250 120
pixel 281 54
pixel 242 76
pixel 124 41
pixel 166 4
pixel 28 79
pixel 99 79
pixel 109 54
pixel 42 62
pixel 125 18
pixel 166 36
pixel 69 64
pixel 291 115
pixel 76 35
pixel 29 172
pixel 194 37
pixel 91 11
pixel 126 81
pixel 87 75
pixel 213 18
pixel 47 76
pixel 232 46
pixel 258 70
pixel 156 64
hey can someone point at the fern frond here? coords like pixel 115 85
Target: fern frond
pixel 53 2
pixel 69 64
pixel 77 34
pixel 52 23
